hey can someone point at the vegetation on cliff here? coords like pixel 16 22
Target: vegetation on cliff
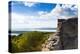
pixel 28 41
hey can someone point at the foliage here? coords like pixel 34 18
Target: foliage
pixel 28 41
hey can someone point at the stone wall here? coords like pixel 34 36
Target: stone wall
pixel 66 36
pixel 68 33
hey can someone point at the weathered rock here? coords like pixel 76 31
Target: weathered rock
pixel 69 33
pixel 66 36
pixel 53 43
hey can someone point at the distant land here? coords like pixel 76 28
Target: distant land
pixel 33 29
pixel 16 32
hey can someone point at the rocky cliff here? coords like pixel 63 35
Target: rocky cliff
pixel 66 36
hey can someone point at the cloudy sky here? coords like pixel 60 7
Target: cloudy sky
pixel 38 15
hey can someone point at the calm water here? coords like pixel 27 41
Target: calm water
pixel 41 30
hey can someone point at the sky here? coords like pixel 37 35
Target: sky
pixel 39 15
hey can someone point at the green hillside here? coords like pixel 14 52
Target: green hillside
pixel 28 41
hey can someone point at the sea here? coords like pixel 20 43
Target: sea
pixel 17 32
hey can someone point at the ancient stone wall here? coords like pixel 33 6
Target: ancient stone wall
pixel 69 33
pixel 66 36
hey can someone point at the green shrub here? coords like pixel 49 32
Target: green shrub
pixel 29 41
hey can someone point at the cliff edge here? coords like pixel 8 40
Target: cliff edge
pixel 66 36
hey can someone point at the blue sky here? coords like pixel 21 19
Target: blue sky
pixel 39 15
pixel 30 8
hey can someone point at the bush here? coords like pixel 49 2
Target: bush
pixel 29 41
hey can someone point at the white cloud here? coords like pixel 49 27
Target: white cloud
pixel 58 10
pixel 29 4
pixel 42 12
pixel 20 21
pixel 48 20
pixel 66 6
pixel 72 8
pixel 53 14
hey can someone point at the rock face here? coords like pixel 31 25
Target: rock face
pixel 66 36
pixel 68 33
pixel 53 43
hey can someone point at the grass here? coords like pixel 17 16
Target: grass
pixel 28 41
